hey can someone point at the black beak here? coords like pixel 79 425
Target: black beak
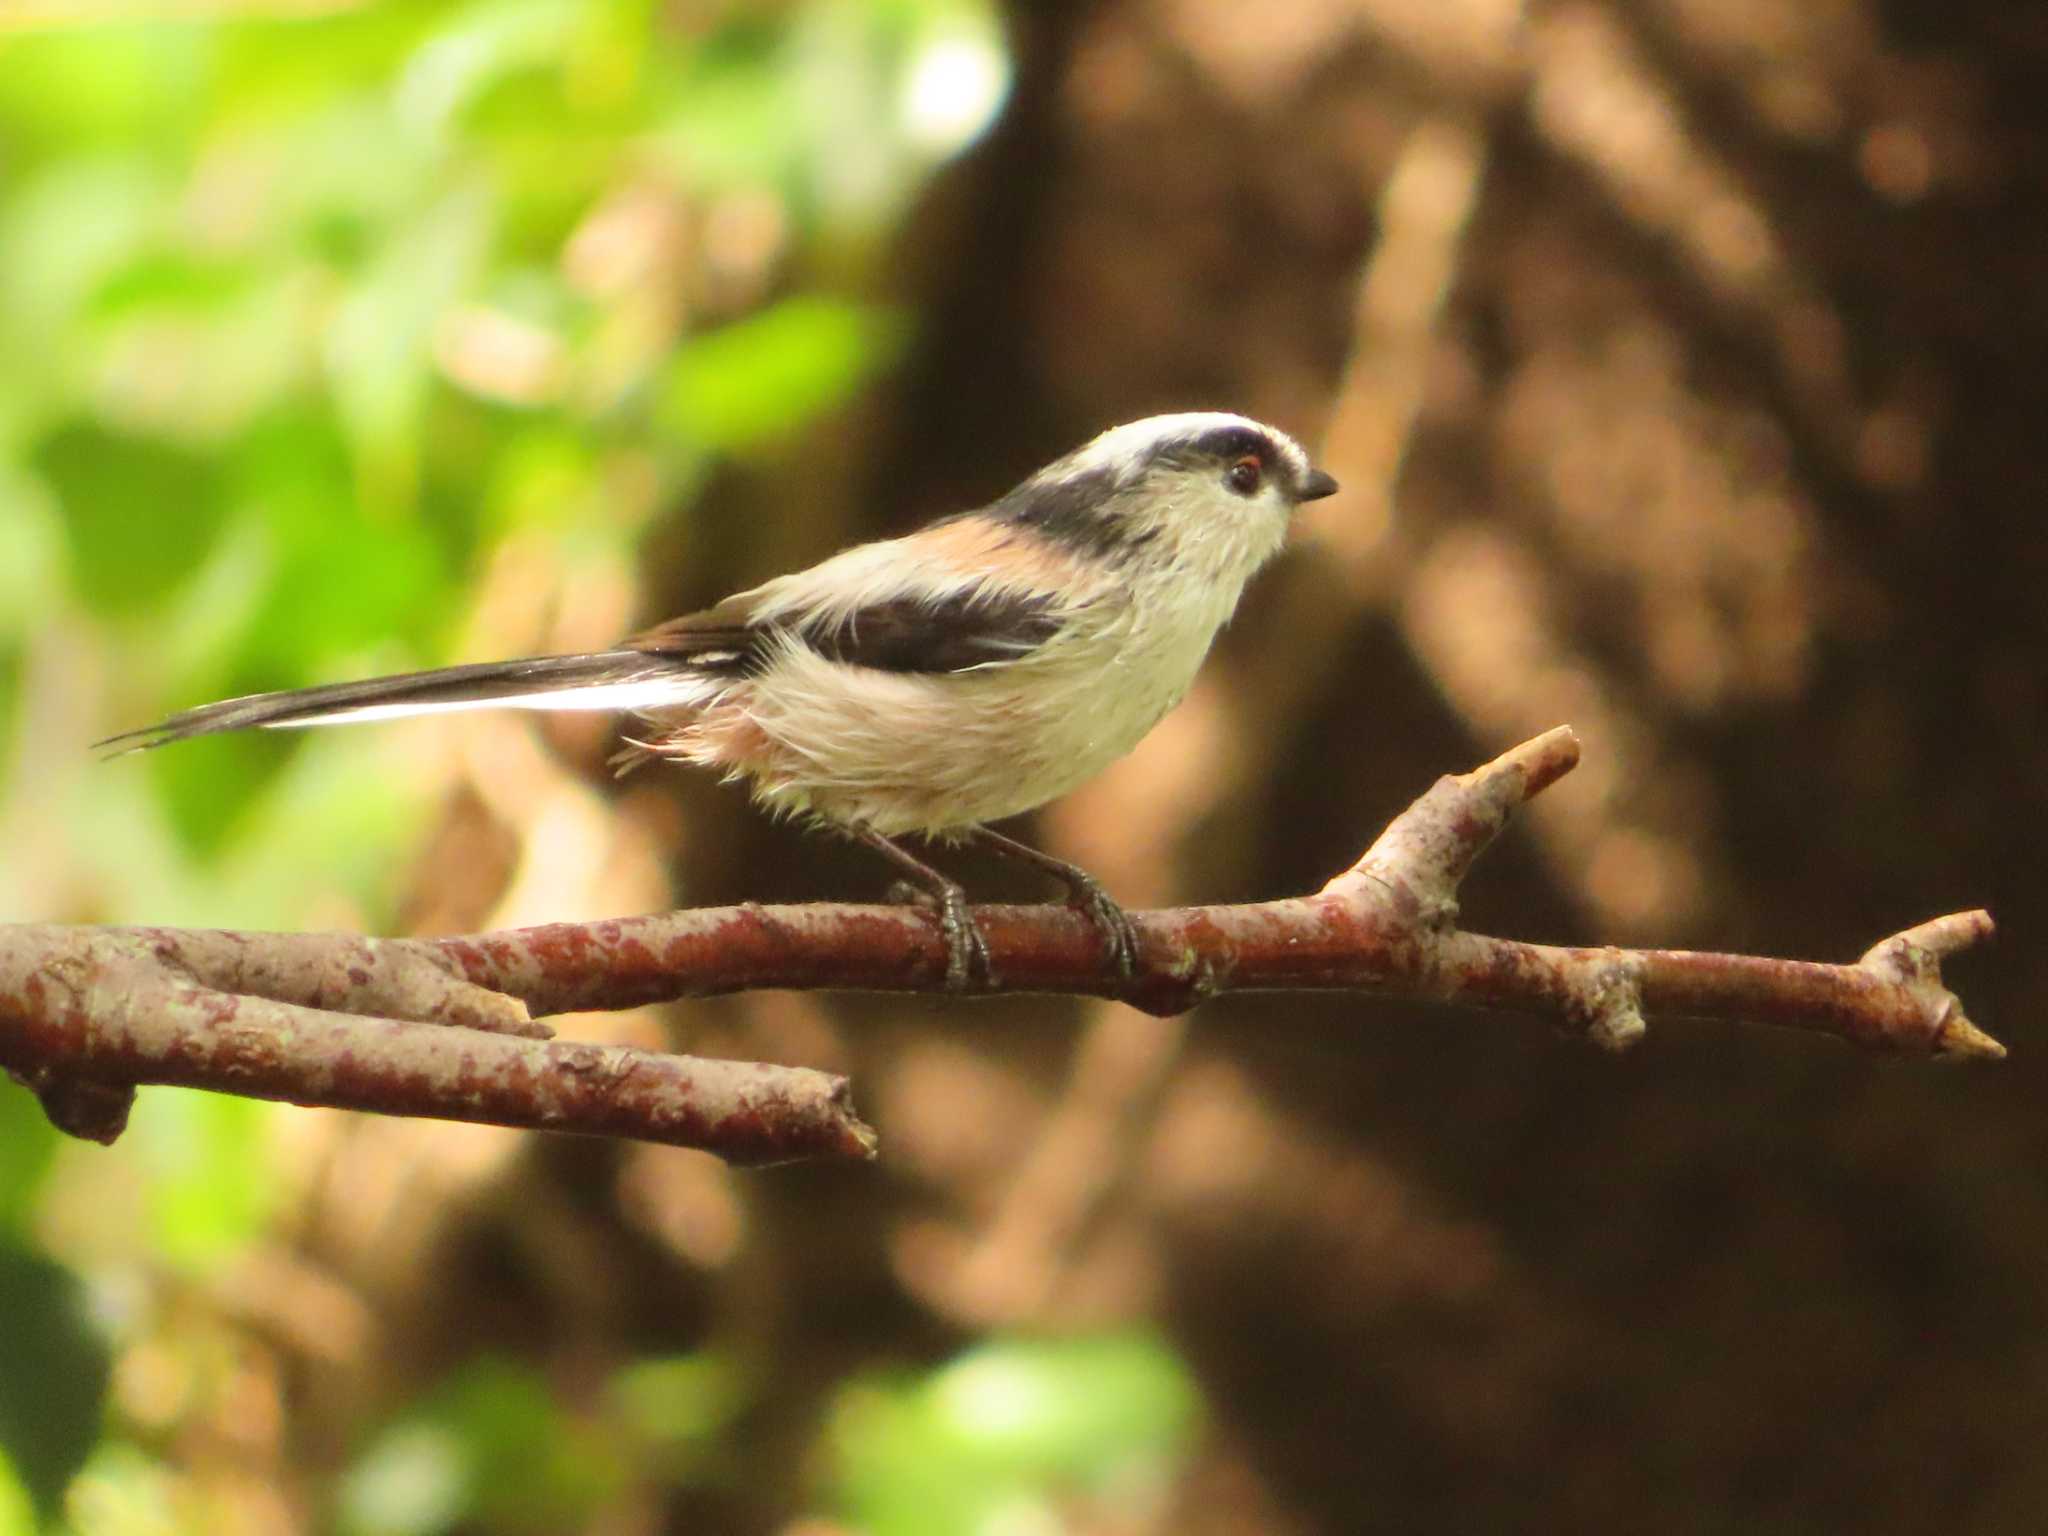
pixel 1315 486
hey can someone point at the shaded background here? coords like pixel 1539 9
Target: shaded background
pixel 1682 362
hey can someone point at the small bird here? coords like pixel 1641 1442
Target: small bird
pixel 969 671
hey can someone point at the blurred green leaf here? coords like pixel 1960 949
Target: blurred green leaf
pixel 17 1514
pixel 379 349
pixel 10 696
pixel 124 1492
pixel 210 787
pixel 541 479
pixel 681 1397
pixel 490 1447
pixel 536 1468
pixel 140 516
pixel 760 378
pixel 337 808
pixel 104 85
pixel 734 119
pixel 167 278
pixel 609 51
pixel 488 41
pixel 31 555
pixel 27 1144
pixel 62 233
pixel 415 1479
pixel 306 63
pixel 345 576
pixel 190 353
pixel 1008 1428
pixel 310 583
pixel 53 1374
pixel 676 1412
pixel 211 1181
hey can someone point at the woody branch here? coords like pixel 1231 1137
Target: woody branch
pixel 445 1027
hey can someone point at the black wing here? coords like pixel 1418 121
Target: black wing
pixel 903 635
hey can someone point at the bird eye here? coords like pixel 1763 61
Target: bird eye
pixel 1243 477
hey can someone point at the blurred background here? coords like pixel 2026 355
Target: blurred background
pixel 1683 364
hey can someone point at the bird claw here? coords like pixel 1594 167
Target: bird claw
pixel 966 950
pixel 1112 922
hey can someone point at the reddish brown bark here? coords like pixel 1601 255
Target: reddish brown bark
pixel 332 1019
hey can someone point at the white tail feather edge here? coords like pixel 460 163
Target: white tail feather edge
pixel 649 693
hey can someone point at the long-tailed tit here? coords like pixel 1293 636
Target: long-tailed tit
pixel 966 672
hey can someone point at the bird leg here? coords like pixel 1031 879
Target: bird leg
pixel 1084 893
pixel 966 949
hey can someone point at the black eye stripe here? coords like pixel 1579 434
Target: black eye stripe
pixel 1069 509
pixel 1081 500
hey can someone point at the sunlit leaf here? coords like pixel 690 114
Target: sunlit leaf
pixel 955 80
pixel 124 1492
pixel 733 120
pixel 211 1181
pixel 490 40
pixel 610 48
pixel 1075 1406
pixel 415 1479
pixel 760 378
pixel 541 479
pixel 110 85
pixel 53 1374
pixel 301 67
pixel 167 278
pixel 1011 1426
pixel 17 1514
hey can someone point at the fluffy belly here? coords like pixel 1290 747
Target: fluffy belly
pixel 906 753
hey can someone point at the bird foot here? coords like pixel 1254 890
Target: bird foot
pixel 1112 922
pixel 966 950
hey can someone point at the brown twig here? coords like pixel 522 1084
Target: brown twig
pixel 88 1013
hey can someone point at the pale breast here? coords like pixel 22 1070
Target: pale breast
pixel 933 752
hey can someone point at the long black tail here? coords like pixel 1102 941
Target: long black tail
pixel 615 680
